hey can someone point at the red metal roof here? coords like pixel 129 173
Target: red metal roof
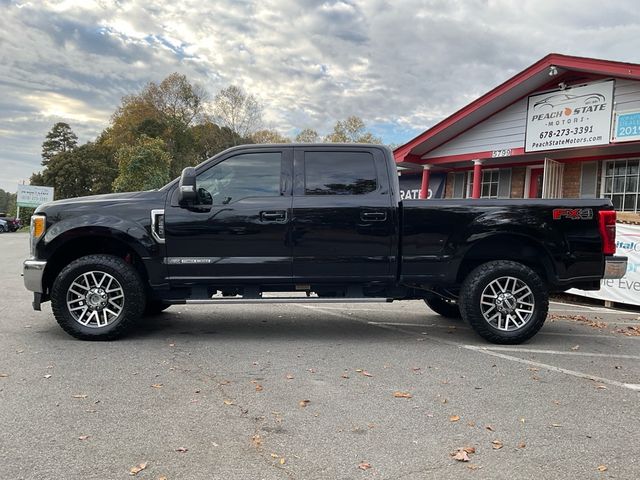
pixel 528 80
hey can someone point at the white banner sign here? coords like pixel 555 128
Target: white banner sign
pixel 574 117
pixel 32 196
pixel 627 288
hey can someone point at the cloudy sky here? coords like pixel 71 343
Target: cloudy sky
pixel 400 65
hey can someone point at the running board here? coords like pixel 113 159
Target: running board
pixel 215 301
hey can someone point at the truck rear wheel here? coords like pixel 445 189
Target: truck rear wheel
pixel 443 307
pixel 504 302
pixel 98 297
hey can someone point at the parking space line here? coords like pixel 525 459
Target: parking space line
pixel 486 351
pixel 558 352
pixel 631 386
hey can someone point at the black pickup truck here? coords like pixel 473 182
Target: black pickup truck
pixel 312 223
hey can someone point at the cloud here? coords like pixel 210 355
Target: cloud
pixel 400 65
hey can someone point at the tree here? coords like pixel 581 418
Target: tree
pixel 210 139
pixel 142 166
pixel 308 135
pixel 237 110
pixel 87 170
pixel 168 110
pixel 351 130
pixel 269 136
pixel 60 139
pixel 7 202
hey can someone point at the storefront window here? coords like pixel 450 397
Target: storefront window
pixel 621 184
pixel 496 183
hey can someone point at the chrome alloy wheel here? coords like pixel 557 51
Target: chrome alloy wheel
pixel 95 299
pixel 507 303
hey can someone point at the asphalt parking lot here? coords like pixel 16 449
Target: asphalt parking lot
pixel 314 391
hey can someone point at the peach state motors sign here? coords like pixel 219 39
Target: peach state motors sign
pixel 574 117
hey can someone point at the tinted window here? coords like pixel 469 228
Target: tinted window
pixel 247 175
pixel 339 173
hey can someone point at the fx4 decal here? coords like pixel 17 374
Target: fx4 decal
pixel 573 213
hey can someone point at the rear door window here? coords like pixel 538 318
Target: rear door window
pixel 339 173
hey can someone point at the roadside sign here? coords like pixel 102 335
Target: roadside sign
pixel 32 196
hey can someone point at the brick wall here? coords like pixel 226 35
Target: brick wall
pixel 571 180
pixel 448 186
pixel 518 175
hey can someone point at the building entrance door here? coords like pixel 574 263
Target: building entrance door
pixel 536 179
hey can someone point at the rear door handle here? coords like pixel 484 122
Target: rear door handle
pixel 373 216
pixel 273 216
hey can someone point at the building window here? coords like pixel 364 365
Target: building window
pixel 496 183
pixel 458 185
pixel 620 184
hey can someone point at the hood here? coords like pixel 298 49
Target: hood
pixel 104 199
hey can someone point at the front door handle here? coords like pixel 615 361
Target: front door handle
pixel 373 216
pixel 273 216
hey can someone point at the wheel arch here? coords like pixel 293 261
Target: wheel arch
pixel 508 246
pixel 80 242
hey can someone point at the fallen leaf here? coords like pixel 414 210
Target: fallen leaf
pixel 344 375
pixel 473 467
pixel 228 402
pixel 311 370
pixel 402 395
pixel 47 375
pixel 471 424
pixel 137 469
pixel 490 428
pixel 182 449
pixel 83 437
pixel 522 445
pixel 274 455
pixel 364 466
pixel 366 374
pixel 470 450
pixel 79 396
pixel 256 440
pixel 444 400
pixel 533 369
pixel 359 370
pixel 575 347
pixel 289 376
pixel 282 461
pixel 602 468
pixel 162 477
pixel 259 387
pixel 460 455
pixel 497 444
pixel 629 331
pixel 556 425
pixel 172 344
pixel 304 403
pixel 601 387
pixel 4 375
pixel 157 385
pixel 454 418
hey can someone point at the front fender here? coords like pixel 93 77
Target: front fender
pixel 133 234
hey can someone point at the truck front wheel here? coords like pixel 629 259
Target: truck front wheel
pixel 504 302
pixel 97 297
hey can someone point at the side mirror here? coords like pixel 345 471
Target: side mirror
pixel 187 187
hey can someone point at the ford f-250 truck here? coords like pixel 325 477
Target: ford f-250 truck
pixel 322 219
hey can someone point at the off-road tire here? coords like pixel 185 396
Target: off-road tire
pixel 124 273
pixel 444 308
pixel 480 278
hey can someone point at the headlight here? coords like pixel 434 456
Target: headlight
pixel 37 229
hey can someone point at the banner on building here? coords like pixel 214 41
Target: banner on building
pixel 574 117
pixel 627 288
pixel 410 185
pixel 32 196
pixel 626 127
